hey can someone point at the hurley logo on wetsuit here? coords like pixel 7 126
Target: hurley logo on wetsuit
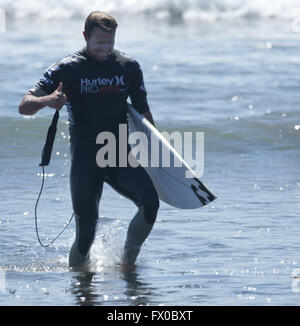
pixel 98 85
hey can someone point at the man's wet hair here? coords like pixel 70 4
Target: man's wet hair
pixel 102 20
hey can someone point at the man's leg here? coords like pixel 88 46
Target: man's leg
pixel 135 184
pixel 86 183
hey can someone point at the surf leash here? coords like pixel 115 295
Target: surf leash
pixel 46 156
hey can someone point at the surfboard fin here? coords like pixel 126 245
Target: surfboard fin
pixel 204 200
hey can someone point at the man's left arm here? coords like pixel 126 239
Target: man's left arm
pixel 138 93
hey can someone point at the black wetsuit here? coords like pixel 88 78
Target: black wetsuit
pixel 97 93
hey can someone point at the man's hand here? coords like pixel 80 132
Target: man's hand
pixel 149 117
pixel 57 99
pixel 32 103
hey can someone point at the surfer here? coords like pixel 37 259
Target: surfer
pixel 95 83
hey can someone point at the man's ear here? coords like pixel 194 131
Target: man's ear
pixel 84 34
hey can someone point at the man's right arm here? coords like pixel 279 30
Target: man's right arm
pixel 32 103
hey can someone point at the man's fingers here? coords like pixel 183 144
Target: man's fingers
pixel 60 87
pixel 58 99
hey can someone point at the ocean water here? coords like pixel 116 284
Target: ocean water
pixel 229 69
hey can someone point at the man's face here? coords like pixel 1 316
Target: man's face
pixel 100 43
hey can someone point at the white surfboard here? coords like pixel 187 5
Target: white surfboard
pixel 171 183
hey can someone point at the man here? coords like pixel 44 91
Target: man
pixel 95 83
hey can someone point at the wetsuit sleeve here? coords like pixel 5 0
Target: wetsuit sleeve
pixel 49 81
pixel 137 90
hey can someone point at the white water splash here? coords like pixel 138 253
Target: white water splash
pixel 189 9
